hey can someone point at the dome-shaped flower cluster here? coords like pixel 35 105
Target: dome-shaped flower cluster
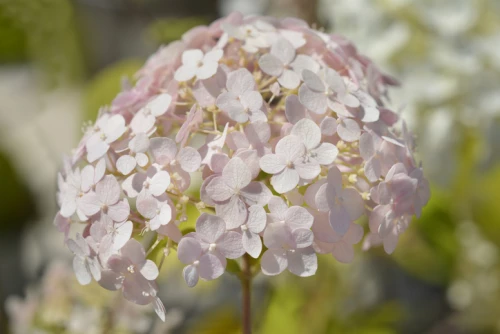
pixel 286 126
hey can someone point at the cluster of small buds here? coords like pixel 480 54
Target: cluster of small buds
pixel 288 130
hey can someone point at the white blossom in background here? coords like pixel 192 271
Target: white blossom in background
pixel 451 44
pixel 290 132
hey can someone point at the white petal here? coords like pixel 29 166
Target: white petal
pixel 89 204
pixel 308 170
pixel 210 227
pixel 252 244
pixel 298 217
pixel 160 104
pixel 313 81
pixel 190 159
pixel 218 190
pixel 188 250
pixel 233 212
pixel 273 262
pixel 289 79
pixel 308 132
pixel 328 126
pixel 236 174
pixel 125 164
pixel 303 237
pixel 214 55
pixel 81 271
pixel 159 183
pixel 207 70
pixel 150 270
pixel 124 232
pixel 272 163
pixel 271 65
pixel 256 219
pixel 326 153
pixel 192 56
pixel 210 267
pixel 349 130
pixel 290 148
pixel 283 50
pixel 230 245
pixel 108 190
pixel 255 193
pixel 302 262
pixel 191 275
pixel 142 159
pixel 339 219
pixel 185 73
pixel 285 181
pixel 163 150
pixel 316 102
pixel 240 81
pixel 119 211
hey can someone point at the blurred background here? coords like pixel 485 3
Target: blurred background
pixel 60 60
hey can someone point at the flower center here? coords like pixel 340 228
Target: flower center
pixel 212 247
pixel 131 269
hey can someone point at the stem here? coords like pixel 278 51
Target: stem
pixel 246 286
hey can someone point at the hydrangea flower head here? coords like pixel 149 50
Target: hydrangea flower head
pixel 294 149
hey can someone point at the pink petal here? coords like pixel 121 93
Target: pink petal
pixel 119 211
pixel 349 130
pixel 210 267
pixel 190 159
pixel 236 174
pixel 188 250
pixel 353 203
pixel 289 79
pixel 134 251
pixel 271 65
pixel 343 252
pixel 290 148
pixel 218 190
pixel 325 154
pixel 210 227
pixel 339 219
pixel 283 50
pixel 298 217
pixel 230 245
pixel 108 190
pixel 294 110
pixel 256 193
pixel 89 204
pixel 240 81
pixel 313 81
pixel 163 150
pixel 308 132
pixel 316 102
pixel 234 212
pixel 302 237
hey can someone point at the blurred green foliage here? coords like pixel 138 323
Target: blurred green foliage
pixel 104 86
pixel 167 30
pixel 17 205
pixel 45 30
pixel 12 40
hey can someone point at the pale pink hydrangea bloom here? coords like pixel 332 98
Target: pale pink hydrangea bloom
pixel 253 106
